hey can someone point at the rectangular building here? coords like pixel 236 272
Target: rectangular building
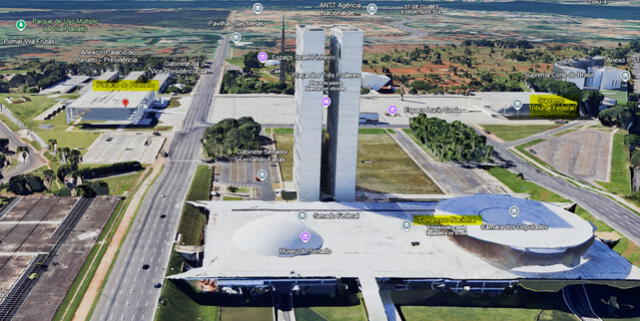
pixel 344 113
pixel 307 144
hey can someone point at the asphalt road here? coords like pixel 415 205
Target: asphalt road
pixel 129 293
pixel 32 163
pixel 599 205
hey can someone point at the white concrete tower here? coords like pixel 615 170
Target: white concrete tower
pixel 343 115
pixel 307 144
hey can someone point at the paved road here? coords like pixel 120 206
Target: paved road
pixel 599 205
pixel 129 293
pixel 32 163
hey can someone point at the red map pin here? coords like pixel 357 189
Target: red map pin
pixel 125 102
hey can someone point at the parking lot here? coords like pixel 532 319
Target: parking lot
pixel 124 146
pixel 583 153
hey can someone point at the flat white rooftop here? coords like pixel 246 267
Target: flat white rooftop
pixel 280 109
pixel 107 75
pixel 134 75
pixel 506 98
pixel 110 99
pixel 242 236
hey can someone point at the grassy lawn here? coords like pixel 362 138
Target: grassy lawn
pixel 231 198
pixel 175 304
pixel 628 249
pixel 118 185
pixel 285 142
pixel 619 95
pixel 11 125
pixel 519 185
pixel 391 170
pixel 433 313
pixel 246 313
pixel 371 131
pixel 331 313
pixel 620 172
pixel 75 138
pixel 193 219
pixel 514 132
pixel 174 102
pixel 382 165
pixel 26 111
pixel 238 61
pixel 282 131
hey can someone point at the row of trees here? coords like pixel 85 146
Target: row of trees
pixel 249 80
pixel 235 82
pixel 453 141
pixel 623 116
pixel 28 184
pixel 229 136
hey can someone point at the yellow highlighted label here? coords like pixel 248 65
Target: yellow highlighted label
pixel 447 219
pixel 126 85
pixel 552 106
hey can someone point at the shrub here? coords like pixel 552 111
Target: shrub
pixel 108 170
pixel 26 184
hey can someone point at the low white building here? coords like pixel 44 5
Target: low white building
pixel 590 73
pixel 109 106
pixel 112 106
pixel 502 103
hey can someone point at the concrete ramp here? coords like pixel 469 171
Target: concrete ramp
pixel 577 300
pixel 285 315
pixel 379 305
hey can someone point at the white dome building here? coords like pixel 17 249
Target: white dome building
pixel 536 233
pixel 269 235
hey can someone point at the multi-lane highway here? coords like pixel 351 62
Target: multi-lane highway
pixel 130 293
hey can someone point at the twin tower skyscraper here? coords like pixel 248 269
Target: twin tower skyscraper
pixel 341 83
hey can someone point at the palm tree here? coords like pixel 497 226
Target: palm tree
pixel 53 145
pixel 75 157
pixel 3 161
pixel 76 178
pixel 48 176
pixel 63 154
pixel 4 144
pixel 23 151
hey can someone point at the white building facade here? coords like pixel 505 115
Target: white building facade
pixel 344 113
pixel 307 144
